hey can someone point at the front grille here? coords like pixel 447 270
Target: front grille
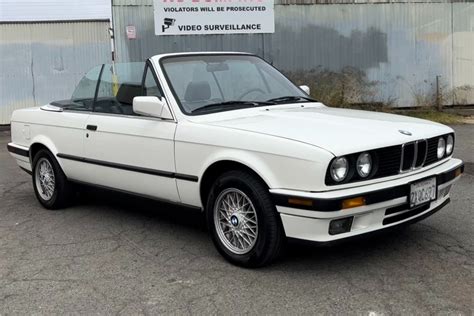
pixel 421 153
pixel 390 161
pixel 399 217
pixel 432 155
pixel 413 155
pixel 408 154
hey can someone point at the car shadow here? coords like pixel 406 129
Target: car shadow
pixel 192 222
pixel 188 218
pixel 349 251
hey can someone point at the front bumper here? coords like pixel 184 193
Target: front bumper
pixel 307 215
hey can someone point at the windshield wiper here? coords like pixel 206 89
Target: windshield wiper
pixel 291 98
pixel 232 104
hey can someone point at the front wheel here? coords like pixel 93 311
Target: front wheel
pixel 244 224
pixel 49 181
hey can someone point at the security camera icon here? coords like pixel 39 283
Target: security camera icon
pixel 167 22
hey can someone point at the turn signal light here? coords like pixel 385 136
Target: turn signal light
pixel 457 173
pixel 354 202
pixel 303 202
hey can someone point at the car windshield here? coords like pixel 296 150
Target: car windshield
pixel 212 83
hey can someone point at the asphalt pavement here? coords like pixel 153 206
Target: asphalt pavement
pixel 114 254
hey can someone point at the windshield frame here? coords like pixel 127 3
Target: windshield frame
pixel 177 99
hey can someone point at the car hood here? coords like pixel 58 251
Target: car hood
pixel 340 131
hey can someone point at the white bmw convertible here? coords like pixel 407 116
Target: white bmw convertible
pixel 229 134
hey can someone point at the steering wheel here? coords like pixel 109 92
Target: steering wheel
pixel 250 91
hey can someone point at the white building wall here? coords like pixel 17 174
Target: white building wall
pixel 43 62
pixel 54 10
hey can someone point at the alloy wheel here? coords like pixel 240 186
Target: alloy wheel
pixel 236 221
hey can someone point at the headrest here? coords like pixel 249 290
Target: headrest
pixel 127 92
pixel 198 91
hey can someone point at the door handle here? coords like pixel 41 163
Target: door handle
pixel 92 127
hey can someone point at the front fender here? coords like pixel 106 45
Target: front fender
pixel 280 162
pixel 276 171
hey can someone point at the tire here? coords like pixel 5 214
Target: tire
pixel 60 191
pixel 256 251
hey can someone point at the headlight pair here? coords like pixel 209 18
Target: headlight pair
pixel 340 167
pixel 445 146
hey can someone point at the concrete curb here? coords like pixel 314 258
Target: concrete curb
pixel 468 111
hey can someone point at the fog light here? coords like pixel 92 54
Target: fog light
pixel 443 192
pixel 339 226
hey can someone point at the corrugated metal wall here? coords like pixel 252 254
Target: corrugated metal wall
pixel 41 62
pixel 54 10
pixel 395 49
pixel 463 54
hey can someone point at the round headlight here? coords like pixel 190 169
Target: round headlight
pixel 449 145
pixel 364 165
pixel 339 169
pixel 441 147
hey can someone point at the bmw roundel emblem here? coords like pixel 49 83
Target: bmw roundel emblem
pixel 234 220
pixel 404 132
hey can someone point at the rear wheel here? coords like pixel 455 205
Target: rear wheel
pixel 50 183
pixel 244 224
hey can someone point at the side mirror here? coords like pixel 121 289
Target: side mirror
pixel 152 106
pixel 306 89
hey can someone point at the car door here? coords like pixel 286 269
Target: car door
pixel 66 127
pixel 124 150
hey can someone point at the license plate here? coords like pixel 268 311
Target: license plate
pixel 422 192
